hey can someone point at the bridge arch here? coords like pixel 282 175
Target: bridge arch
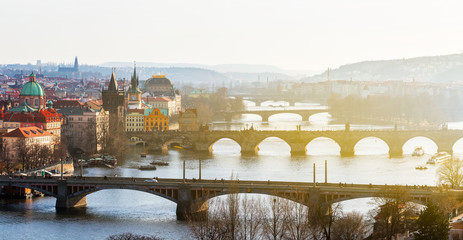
pixel 429 146
pixel 371 145
pixel 250 116
pixel 211 145
pixel 171 195
pixel 458 146
pixel 323 146
pixel 276 115
pixel 273 145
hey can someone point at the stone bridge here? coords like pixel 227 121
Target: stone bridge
pixel 191 196
pixel 265 114
pixel 249 140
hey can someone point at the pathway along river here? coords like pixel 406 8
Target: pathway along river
pixel 116 211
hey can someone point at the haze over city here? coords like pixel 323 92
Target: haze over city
pixel 214 119
pixel 308 35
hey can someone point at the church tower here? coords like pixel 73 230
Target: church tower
pixel 134 93
pixel 76 65
pixel 113 101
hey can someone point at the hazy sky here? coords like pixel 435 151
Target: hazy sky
pixel 292 34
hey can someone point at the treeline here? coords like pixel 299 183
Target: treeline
pixel 254 218
pixel 30 157
pixel 206 106
pixel 423 110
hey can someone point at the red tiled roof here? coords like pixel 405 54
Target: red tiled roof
pixel 26 132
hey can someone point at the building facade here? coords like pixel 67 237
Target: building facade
pixel 188 120
pixel 135 120
pixel 19 139
pixel 85 129
pixel 155 120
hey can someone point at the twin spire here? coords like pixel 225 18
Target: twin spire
pixel 133 82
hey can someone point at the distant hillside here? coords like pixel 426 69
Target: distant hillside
pixel 177 75
pixel 445 68
pixel 262 77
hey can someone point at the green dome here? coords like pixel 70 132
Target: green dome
pixel 32 89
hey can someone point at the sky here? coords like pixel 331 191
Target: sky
pixel 291 34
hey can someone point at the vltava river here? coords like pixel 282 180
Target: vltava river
pixel 116 211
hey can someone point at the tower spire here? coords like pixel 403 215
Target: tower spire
pixel 113 82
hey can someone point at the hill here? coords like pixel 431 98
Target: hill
pixel 444 68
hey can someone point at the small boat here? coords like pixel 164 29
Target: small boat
pixel 147 167
pixel 418 152
pixel 143 154
pixel 421 167
pixel 439 157
pixel 159 163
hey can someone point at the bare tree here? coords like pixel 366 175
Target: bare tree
pixel 132 236
pixel 274 226
pixel 210 226
pixel 322 216
pixel 8 162
pixel 297 215
pixel 451 172
pixel 394 214
pixel 351 226
pixel 251 218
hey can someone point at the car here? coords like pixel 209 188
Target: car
pixel 151 180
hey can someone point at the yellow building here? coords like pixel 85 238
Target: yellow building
pixel 155 120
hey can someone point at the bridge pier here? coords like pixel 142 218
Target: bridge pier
pixel 187 207
pixel 249 149
pixel 395 151
pixel 64 201
pixel 298 149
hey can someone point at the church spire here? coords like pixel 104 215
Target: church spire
pixel 134 80
pixel 113 82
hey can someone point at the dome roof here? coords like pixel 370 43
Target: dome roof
pixel 158 79
pixel 32 89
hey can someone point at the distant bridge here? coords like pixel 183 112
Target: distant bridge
pixel 191 196
pixel 249 140
pixel 265 114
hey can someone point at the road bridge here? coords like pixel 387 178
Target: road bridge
pixel 265 114
pixel 191 196
pixel 249 140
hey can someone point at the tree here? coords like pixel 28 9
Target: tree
pixel 451 172
pixel 321 218
pixel 8 162
pixel 394 214
pixel 432 224
pixel 351 226
pixel 132 236
pixel 275 226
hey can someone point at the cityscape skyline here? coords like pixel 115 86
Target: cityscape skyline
pixel 290 35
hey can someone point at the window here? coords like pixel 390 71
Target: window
pixel 36 102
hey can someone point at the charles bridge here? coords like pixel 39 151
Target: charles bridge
pixel 249 140
pixel 191 195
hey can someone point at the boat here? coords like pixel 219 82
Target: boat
pixel 421 167
pixel 109 160
pixel 147 167
pixel 142 154
pixel 418 152
pixel 159 163
pixel 439 157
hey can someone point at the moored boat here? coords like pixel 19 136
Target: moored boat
pixel 159 163
pixel 439 157
pixel 147 167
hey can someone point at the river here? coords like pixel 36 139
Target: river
pixel 116 211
